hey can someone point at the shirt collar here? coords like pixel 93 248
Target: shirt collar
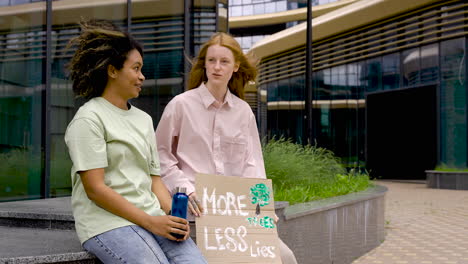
pixel 208 99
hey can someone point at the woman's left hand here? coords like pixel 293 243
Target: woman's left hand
pixel 194 205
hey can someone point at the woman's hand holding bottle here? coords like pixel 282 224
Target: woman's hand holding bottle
pixel 167 225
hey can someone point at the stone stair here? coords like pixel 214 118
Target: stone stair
pixel 40 231
pixel 43 231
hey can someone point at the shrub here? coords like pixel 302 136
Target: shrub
pixel 450 168
pixel 305 173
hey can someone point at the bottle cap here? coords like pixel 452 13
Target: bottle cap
pixel 180 190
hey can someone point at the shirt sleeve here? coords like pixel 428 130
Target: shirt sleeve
pixel 86 145
pixel 154 166
pixel 167 134
pixel 254 165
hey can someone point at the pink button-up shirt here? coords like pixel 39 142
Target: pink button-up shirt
pixel 197 134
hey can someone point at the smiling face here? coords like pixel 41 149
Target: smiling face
pixel 127 81
pixel 220 65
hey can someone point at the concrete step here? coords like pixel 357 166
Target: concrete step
pixel 43 231
pixel 40 231
pixel 52 213
pixel 38 245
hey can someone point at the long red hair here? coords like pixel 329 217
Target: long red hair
pixel 247 65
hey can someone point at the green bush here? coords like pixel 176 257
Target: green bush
pixel 450 168
pixel 300 174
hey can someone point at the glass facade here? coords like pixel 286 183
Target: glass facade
pixel 22 93
pixel 36 98
pixel 247 37
pixel 412 76
pixel 453 102
pixel 322 2
pixel 258 7
pixel 17 2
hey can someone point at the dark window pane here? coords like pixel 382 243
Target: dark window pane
pixel 22 47
pixel 355 86
pixel 391 71
pixel 272 89
pixel 362 77
pixel 429 63
pixel 411 66
pixel 283 90
pixel 319 90
pixel 338 82
pixel 325 89
pixel 262 110
pixel 453 114
pixel 297 88
pixel 324 137
pixel 374 75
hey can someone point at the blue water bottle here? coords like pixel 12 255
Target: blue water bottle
pixel 179 206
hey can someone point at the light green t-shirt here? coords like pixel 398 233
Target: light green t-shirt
pixel 123 142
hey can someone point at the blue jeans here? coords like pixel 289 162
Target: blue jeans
pixel 135 245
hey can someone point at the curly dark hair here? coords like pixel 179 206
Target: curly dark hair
pixel 100 44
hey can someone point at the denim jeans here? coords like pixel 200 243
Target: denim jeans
pixel 135 245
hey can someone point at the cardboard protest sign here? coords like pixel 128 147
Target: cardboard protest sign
pixel 238 223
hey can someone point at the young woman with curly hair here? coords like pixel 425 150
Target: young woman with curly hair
pixel 119 202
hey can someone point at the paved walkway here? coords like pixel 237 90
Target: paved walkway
pixel 424 226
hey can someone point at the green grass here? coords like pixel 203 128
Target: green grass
pixel 302 174
pixel 299 174
pixel 445 167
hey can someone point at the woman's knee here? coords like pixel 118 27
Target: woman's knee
pixel 129 244
pixel 181 252
pixel 287 256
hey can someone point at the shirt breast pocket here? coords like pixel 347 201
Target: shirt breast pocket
pixel 233 149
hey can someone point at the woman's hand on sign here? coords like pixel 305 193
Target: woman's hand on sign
pixel 168 225
pixel 194 205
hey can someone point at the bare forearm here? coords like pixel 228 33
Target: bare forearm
pixel 162 193
pixel 110 200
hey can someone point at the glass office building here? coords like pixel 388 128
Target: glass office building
pixel 36 98
pixel 257 7
pixel 389 93
pixel 249 35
